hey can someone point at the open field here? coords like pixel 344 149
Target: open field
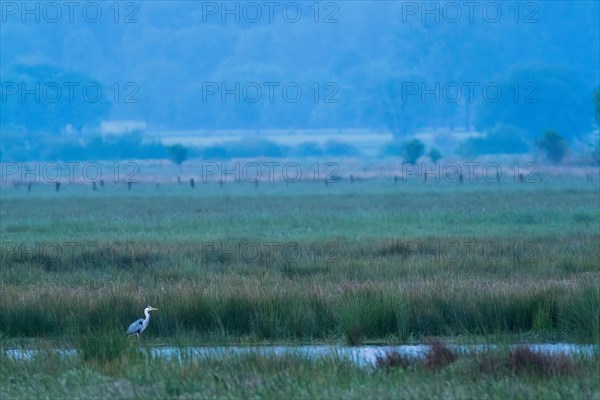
pixel 290 263
pixel 305 261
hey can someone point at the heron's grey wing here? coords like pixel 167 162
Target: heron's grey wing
pixel 135 326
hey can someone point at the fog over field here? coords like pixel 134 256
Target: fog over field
pixel 79 76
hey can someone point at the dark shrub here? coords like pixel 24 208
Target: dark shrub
pixel 523 359
pixel 439 355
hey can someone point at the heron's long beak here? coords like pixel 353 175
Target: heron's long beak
pixel 154 309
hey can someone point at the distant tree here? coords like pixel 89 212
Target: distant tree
pixel 395 102
pixel 335 148
pixel 553 145
pixel 597 106
pixel 596 146
pixel 434 154
pixel 178 154
pixel 307 149
pixel 535 99
pixel 45 98
pixel 502 139
pixel 246 148
pixel 412 150
pixel 596 152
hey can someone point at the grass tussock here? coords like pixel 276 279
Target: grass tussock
pixel 524 360
pixel 354 335
pixel 110 347
pixel 439 355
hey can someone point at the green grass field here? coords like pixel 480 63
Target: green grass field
pixel 369 262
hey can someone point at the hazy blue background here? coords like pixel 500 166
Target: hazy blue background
pixel 367 54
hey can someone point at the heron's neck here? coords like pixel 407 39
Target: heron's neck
pixel 147 314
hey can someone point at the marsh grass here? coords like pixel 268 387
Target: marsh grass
pixel 390 279
pixel 495 374
pixel 303 311
pixel 580 314
pixel 108 347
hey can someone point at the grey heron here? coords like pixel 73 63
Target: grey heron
pixel 141 324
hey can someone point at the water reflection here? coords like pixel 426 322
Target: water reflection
pixel 360 355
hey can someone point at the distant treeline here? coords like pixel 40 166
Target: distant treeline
pixel 374 65
pixel 20 145
pixel 47 147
